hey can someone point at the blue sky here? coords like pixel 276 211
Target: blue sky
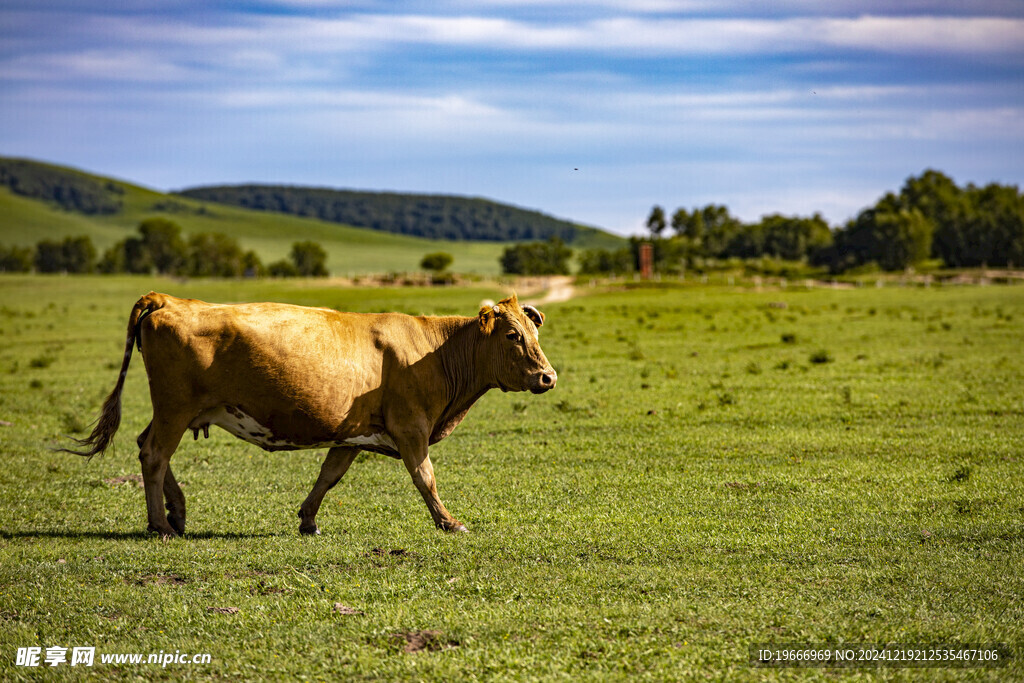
pixel 592 111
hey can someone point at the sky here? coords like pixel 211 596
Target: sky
pixel 590 111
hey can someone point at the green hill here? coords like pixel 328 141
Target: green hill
pixel 417 215
pixel 43 201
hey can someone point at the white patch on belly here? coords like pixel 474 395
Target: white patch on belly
pixel 245 427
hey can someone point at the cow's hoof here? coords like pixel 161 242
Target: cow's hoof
pixel 309 530
pixel 165 533
pixel 454 527
pixel 177 523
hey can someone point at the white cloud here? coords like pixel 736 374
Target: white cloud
pixel 116 65
pixel 290 34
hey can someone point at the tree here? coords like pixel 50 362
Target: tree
pixel 889 234
pixel 48 258
pixel 283 268
pixel 537 258
pixel 688 224
pixel 73 255
pixel 794 238
pixel 939 200
pixel 436 262
pixel 992 232
pixel 214 255
pixel 656 221
pixel 720 228
pixel 309 259
pixel 79 254
pixel 15 259
pixel 252 266
pixel 605 261
pixel 162 239
pixel 127 256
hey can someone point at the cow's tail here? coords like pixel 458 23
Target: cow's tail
pixel 110 417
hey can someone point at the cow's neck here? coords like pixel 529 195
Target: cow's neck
pixel 465 382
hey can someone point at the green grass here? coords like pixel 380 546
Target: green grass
pixel 696 483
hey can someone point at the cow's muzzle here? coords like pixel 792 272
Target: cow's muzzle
pixel 544 381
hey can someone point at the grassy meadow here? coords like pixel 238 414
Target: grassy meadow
pixel 717 467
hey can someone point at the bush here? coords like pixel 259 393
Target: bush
pixel 283 268
pixel 310 259
pixel 15 259
pixel 821 356
pixel 436 262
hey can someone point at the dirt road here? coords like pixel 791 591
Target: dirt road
pixel 557 288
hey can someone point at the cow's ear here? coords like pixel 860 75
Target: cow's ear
pixel 534 315
pixel 487 316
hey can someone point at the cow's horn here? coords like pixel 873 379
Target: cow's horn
pixel 533 314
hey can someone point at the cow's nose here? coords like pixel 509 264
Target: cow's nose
pixel 548 379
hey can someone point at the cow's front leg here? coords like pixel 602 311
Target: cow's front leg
pixel 417 461
pixel 335 465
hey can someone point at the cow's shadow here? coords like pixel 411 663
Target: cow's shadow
pixel 131 535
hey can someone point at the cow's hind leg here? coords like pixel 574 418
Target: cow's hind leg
pixel 154 456
pixel 175 502
pixel 335 465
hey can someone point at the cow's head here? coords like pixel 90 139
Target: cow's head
pixel 512 350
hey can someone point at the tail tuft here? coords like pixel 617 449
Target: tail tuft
pixel 106 427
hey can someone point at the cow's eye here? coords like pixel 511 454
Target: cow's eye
pixel 513 335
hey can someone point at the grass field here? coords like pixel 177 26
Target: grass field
pixel 717 467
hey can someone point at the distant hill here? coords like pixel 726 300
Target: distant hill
pixel 44 201
pixel 418 215
pixel 66 188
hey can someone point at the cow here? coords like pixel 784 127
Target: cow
pixel 288 377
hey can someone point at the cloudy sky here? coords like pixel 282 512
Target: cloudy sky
pixel 592 111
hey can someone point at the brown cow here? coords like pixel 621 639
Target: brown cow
pixel 290 377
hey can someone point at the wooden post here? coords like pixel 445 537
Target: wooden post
pixel 646 260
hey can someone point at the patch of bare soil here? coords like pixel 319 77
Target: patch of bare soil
pixel 380 552
pixel 264 588
pixel 161 580
pixel 345 609
pixel 223 610
pixel 124 479
pixel 418 641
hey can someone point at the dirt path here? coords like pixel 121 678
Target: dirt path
pixel 558 288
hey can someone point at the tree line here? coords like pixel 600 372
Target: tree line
pixel 430 216
pixel 930 218
pixel 70 190
pixel 536 258
pixel 159 247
